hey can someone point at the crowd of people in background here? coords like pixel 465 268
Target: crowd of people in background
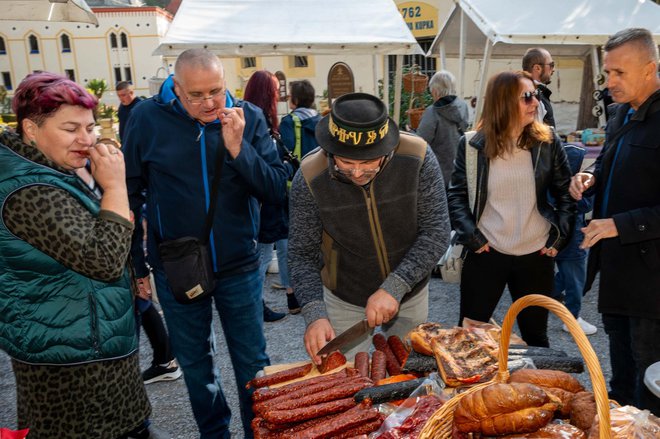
pixel 357 210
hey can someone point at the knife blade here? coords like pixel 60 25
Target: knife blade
pixel 346 337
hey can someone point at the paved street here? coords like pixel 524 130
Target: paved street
pixel 171 410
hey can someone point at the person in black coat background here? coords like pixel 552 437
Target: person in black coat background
pixel 624 236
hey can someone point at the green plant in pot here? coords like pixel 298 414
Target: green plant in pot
pixel 97 87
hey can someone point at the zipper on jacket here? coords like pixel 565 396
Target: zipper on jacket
pixel 377 234
pixel 94 323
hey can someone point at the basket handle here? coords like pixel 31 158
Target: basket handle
pixel 587 351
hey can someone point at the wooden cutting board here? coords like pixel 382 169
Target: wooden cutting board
pixel 313 373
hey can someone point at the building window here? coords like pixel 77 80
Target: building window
pixel 113 41
pixel 3 48
pixel 6 79
pixel 34 44
pixel 249 62
pixel 66 43
pixel 300 61
pixel 124 40
pixel 128 76
pixel 117 74
pixel 70 73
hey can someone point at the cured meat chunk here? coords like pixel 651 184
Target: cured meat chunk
pixel 332 361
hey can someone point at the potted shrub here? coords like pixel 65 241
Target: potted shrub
pixel 97 87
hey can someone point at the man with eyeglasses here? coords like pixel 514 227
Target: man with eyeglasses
pixel 172 141
pixel 538 63
pixel 368 223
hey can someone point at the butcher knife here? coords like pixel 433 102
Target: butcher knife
pixel 345 338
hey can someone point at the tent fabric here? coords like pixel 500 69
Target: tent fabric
pixel 232 28
pixel 47 10
pixel 564 27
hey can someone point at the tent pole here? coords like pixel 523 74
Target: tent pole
pixel 374 62
pixel 386 81
pixel 443 56
pixel 595 65
pixel 461 55
pixel 488 50
pixel 398 78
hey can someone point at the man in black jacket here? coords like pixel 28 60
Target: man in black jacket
pixel 624 237
pixel 538 63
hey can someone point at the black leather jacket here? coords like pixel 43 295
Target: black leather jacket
pixel 552 174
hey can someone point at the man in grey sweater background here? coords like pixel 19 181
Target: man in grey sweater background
pixel 368 222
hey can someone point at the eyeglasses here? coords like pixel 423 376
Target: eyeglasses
pixel 200 100
pixel 551 64
pixel 529 96
pixel 352 171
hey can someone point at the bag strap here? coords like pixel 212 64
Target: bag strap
pixel 219 162
pixel 471 169
pixel 297 129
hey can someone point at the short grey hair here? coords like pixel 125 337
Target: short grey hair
pixel 443 83
pixel 197 58
pixel 640 37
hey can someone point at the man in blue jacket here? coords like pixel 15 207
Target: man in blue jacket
pixel 171 145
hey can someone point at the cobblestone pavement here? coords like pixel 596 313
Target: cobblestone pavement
pixel 171 409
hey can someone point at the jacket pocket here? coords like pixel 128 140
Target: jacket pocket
pixel 649 251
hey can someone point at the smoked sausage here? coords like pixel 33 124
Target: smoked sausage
pixel 378 364
pixel 265 394
pixel 280 377
pixel 305 413
pixel 398 349
pixel 362 363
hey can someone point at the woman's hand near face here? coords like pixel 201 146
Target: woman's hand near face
pixel 108 170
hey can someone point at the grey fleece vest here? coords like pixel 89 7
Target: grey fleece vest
pixel 366 230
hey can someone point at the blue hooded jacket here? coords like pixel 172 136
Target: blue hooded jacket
pixel 170 163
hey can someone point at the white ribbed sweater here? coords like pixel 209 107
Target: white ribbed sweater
pixel 511 220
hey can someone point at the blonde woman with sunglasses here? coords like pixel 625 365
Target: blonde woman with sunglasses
pixel 513 233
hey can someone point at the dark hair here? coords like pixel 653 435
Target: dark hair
pixel 40 95
pixel 123 85
pixel 262 92
pixel 532 57
pixel 302 93
pixel 641 37
pixel 501 113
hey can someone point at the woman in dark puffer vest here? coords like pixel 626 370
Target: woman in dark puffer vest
pixel 67 318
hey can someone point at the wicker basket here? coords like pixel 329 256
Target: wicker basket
pixel 415 82
pixel 414 114
pixel 440 424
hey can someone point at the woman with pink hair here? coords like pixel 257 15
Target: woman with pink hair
pixel 66 296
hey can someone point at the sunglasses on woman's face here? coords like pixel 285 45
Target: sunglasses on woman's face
pixel 529 96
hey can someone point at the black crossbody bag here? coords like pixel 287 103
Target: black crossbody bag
pixel 187 261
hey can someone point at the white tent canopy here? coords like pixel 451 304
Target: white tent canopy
pixel 491 29
pixel 47 10
pixel 269 28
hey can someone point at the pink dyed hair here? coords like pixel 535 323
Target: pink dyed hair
pixel 40 95
pixel 262 92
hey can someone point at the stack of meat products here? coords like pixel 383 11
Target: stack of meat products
pixel 318 407
pixel 388 357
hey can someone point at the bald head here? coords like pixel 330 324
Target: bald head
pixel 197 59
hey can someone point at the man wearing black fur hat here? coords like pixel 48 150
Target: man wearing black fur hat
pixel 369 221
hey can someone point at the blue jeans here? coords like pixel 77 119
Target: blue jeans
pixel 266 250
pixel 633 348
pixel 570 277
pixel 238 301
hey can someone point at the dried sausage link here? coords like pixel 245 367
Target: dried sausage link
pixel 393 366
pixel 398 348
pixel 362 363
pixel 297 394
pixel 331 394
pixel 341 423
pixel 280 377
pixel 264 394
pixel 305 413
pixel 378 363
